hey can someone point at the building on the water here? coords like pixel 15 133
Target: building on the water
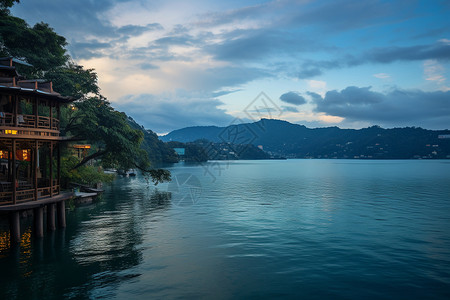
pixel 29 146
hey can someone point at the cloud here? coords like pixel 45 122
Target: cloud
pixel 434 71
pixel 317 86
pixel 314 96
pixel 69 16
pixel 395 108
pixel 261 43
pixel 439 51
pixel 225 92
pixel 293 98
pixel 81 22
pixel 253 13
pixel 382 75
pixel 148 66
pixel 434 32
pixel 309 73
pixel 90 49
pixel 290 109
pixel 342 15
pixel 135 30
pixel 167 112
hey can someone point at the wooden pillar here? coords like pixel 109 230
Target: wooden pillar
pixel 36 169
pixel 14 227
pixel 58 112
pixel 50 105
pixel 14 171
pixel 51 169
pixel 10 166
pixel 51 217
pixel 16 110
pixel 39 222
pixel 61 211
pixel 36 112
pixel 58 167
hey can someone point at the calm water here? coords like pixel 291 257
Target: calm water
pixel 311 229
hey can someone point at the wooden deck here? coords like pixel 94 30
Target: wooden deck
pixel 38 203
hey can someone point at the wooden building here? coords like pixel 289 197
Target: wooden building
pixel 29 141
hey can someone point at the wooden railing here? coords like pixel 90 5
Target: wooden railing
pixel 29 121
pixel 24 192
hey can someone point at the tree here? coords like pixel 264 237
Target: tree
pixel 117 144
pixel 73 80
pixel 5 5
pixel 157 150
pixel 39 45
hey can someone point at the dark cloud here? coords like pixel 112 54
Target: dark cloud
pixel 250 46
pixel 314 96
pixel 438 51
pixel 148 66
pixel 174 40
pixel 78 21
pixel 135 30
pixel 289 109
pixel 396 108
pixel 346 15
pixel 89 49
pixel 223 93
pixel 227 17
pixel 309 73
pixel 162 114
pixel 223 77
pixel 435 32
pixel 255 44
pixel 69 16
pixel 293 98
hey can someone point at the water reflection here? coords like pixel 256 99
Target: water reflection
pixel 95 253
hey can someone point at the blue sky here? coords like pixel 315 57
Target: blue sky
pixel 171 64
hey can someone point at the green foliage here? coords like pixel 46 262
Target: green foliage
pixel 88 175
pixel 74 81
pixel 5 4
pixel 157 150
pixel 38 45
pixel 118 145
pixel 158 175
pixel 95 121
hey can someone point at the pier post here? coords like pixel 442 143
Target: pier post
pixel 14 227
pixel 39 222
pixel 51 217
pixel 61 211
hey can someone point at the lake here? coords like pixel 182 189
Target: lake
pixel 310 229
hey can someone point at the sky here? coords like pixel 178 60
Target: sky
pixel 172 64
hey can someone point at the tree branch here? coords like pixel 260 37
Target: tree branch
pixel 158 175
pixel 89 157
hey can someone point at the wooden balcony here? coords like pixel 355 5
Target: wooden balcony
pixel 28 121
pixel 25 192
pixel 28 126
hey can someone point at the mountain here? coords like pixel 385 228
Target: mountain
pixel 281 138
pixel 158 151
